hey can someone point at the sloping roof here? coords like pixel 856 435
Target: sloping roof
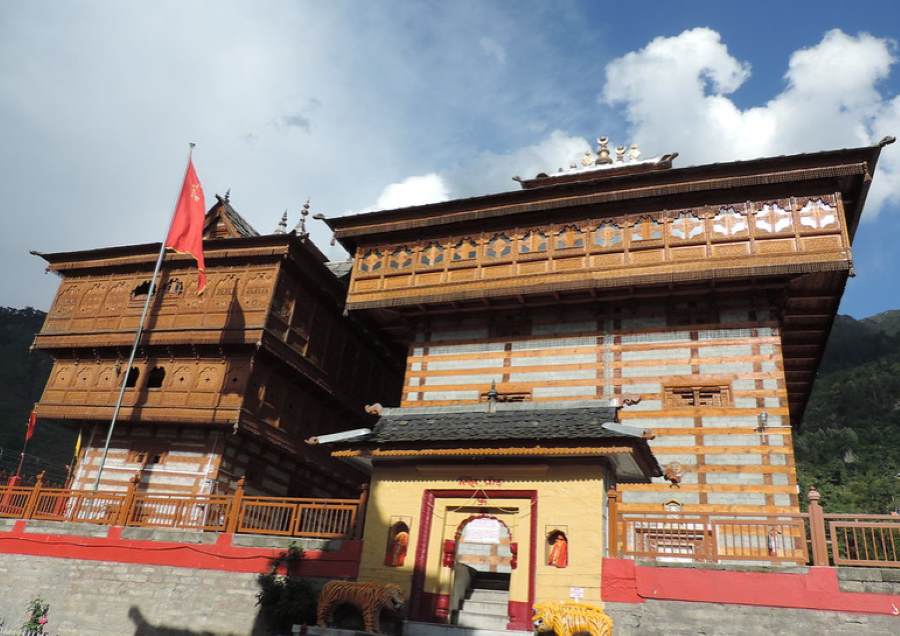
pixel 531 425
pixel 223 221
pixel 340 268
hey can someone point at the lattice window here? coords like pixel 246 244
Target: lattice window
pixel 400 258
pixel 371 260
pixel 687 226
pixel 498 246
pixel 729 222
pixel 646 229
pixel 817 214
pixel 146 457
pixel 773 218
pixel 570 237
pixel 433 254
pixel 173 287
pixel 534 241
pixel 696 396
pixel 465 250
pixel 608 235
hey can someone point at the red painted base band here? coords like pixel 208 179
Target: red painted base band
pixel 222 555
pixel 818 589
pixel 520 616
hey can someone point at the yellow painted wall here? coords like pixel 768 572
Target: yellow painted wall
pixel 569 497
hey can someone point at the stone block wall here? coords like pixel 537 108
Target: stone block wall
pixel 104 598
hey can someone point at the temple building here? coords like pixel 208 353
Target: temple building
pixel 622 336
pixel 227 383
pixel 622 332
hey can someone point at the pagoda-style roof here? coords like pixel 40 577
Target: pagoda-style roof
pixel 223 221
pixel 510 431
pixel 506 422
pixel 551 194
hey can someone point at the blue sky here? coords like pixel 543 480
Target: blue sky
pixel 367 105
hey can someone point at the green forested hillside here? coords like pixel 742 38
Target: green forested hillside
pixel 849 443
pixel 23 374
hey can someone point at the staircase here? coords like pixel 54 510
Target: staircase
pixel 487 604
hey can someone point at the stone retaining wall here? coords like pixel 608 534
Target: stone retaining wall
pixel 102 598
pixel 674 618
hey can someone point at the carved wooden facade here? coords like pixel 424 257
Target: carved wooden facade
pixel 700 298
pixel 226 384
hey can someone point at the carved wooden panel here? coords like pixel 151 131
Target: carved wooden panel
pixel 236 299
pixel 88 388
pixel 694 243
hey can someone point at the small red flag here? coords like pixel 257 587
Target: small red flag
pixel 186 232
pixel 32 422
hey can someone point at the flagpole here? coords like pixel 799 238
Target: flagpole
pixel 140 329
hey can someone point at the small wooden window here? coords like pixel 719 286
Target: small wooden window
pixel 131 380
pixel 146 457
pixel 696 396
pixel 155 378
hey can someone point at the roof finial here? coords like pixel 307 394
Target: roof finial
pixel 227 195
pixel 603 151
pixel 620 154
pixel 492 397
pixel 634 154
pixel 300 230
pixel 282 224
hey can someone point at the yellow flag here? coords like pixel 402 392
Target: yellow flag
pixel 77 446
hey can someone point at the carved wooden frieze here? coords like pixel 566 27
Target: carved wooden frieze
pixel 111 303
pixel 82 389
pixel 711 240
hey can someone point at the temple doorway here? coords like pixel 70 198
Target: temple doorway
pixel 481 573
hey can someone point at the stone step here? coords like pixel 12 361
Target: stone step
pixel 495 608
pixel 481 621
pixel 489 596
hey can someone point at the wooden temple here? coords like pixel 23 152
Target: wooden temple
pixel 228 383
pixel 694 302
pixel 621 336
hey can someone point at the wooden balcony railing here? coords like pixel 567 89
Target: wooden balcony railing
pixel 812 537
pixel 237 512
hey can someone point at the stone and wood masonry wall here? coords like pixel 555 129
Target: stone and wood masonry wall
pixel 702 369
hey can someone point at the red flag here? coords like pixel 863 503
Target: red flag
pixel 186 232
pixel 32 422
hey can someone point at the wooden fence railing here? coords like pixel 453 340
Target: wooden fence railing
pixel 237 512
pixel 812 537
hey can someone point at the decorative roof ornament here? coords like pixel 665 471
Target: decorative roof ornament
pixel 603 157
pixel 228 195
pixel 623 158
pixel 300 229
pixel 282 224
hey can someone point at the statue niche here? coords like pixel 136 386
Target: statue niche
pixel 398 541
pixel 558 555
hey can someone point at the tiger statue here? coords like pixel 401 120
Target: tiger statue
pixel 568 618
pixel 369 598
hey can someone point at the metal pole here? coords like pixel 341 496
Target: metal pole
pixel 139 332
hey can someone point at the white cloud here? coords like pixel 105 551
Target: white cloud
pixel 429 188
pixel 493 48
pixel 674 93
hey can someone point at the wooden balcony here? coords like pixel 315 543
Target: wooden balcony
pixel 237 512
pixel 731 240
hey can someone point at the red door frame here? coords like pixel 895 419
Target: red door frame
pixel 420 609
